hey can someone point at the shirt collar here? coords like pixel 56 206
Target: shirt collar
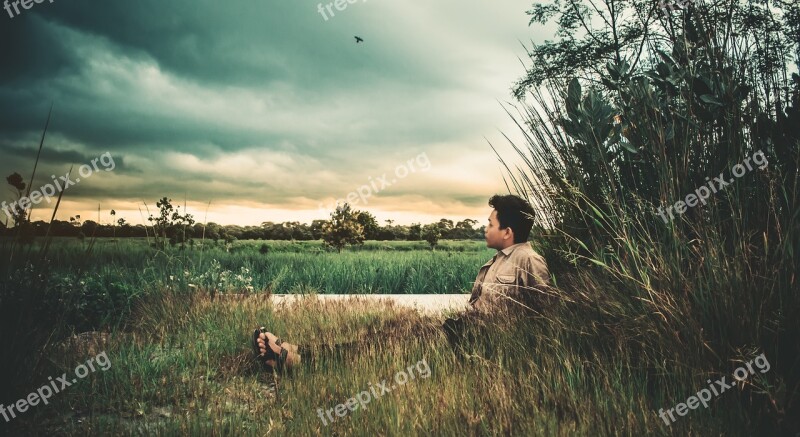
pixel 507 251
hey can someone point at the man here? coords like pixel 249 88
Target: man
pixel 515 280
pixel 512 281
pixel 516 276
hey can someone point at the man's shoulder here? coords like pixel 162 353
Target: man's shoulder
pixel 525 250
pixel 524 255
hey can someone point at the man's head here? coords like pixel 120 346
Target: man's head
pixel 510 222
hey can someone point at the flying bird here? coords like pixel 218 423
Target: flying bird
pixel 359 39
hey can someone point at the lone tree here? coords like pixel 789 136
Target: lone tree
pixel 343 228
pixel 170 226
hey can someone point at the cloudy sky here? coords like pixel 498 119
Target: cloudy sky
pixel 263 110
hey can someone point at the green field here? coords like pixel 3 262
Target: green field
pixel 99 280
pixel 185 368
pixel 280 266
pixel 180 362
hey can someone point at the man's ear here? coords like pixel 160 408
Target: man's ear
pixel 508 233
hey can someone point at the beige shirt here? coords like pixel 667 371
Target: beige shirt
pixel 515 277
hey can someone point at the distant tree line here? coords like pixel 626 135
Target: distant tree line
pixel 182 228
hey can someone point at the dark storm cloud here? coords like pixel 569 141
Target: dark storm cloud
pixel 194 96
pixel 197 39
pixel 30 52
pixel 201 41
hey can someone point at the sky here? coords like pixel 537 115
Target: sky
pixel 251 111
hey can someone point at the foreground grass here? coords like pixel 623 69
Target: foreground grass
pixel 184 367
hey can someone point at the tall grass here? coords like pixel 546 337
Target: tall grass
pixel 185 367
pixel 31 314
pixel 711 286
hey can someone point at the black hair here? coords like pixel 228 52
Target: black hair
pixel 515 212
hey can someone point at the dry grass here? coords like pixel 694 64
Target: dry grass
pixel 185 368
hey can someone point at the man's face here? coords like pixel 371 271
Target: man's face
pixel 497 238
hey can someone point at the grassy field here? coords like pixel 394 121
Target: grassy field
pixel 99 280
pixel 395 267
pixel 186 368
pixel 180 363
